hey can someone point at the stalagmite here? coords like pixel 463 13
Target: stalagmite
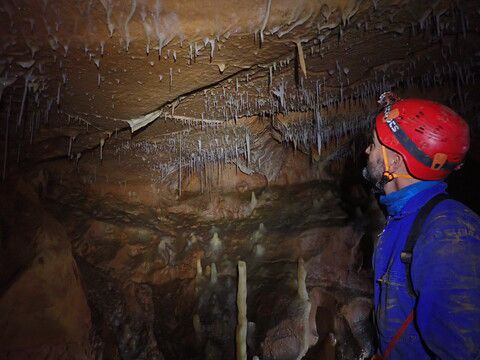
pixel 198 328
pixel 253 201
pixel 303 295
pixel 213 274
pixel 258 250
pixel 260 232
pixel 301 277
pixel 199 273
pixel 242 323
pixel 215 243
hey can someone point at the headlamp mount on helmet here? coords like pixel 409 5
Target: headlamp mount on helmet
pixel 386 100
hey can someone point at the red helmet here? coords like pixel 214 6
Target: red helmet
pixel 431 137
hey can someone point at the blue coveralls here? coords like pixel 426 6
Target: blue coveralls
pixel 445 275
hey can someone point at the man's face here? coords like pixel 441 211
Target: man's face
pixel 375 167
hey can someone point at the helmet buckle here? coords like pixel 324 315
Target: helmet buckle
pixel 439 159
pixel 388 175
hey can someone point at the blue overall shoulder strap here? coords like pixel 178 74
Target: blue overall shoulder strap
pixel 407 253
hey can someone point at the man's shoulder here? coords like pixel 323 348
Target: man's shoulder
pixel 449 243
pixel 451 218
pixel 452 212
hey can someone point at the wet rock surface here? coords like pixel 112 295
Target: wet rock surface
pixel 162 285
pixel 43 305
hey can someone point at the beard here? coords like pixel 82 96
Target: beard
pixel 373 174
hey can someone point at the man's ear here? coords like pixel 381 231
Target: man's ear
pixel 396 162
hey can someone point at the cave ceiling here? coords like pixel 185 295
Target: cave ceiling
pixel 83 71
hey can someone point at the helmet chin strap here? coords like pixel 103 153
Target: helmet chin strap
pixel 387 175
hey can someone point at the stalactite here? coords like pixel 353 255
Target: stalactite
pixel 180 169
pixel 158 32
pixel 247 144
pixel 265 21
pixel 102 142
pixel 301 58
pixel 108 5
pixel 146 27
pixel 58 94
pixel 5 151
pixel 77 159
pixel 127 20
pixel 32 126
pixel 25 90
